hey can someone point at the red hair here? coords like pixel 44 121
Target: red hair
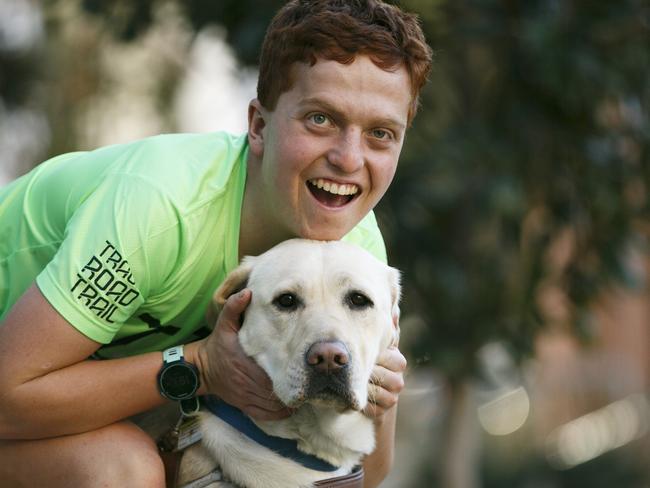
pixel 339 30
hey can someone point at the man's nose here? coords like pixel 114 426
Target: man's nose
pixel 348 154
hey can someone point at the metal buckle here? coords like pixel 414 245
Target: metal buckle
pixel 190 406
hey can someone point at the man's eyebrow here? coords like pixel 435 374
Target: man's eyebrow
pixel 340 115
pixel 323 104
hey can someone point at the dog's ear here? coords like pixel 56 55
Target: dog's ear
pixel 236 281
pixel 395 294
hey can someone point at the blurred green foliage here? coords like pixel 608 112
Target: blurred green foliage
pixel 245 20
pixel 533 131
pixel 526 170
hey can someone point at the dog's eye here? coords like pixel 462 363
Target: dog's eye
pixel 357 300
pixel 286 301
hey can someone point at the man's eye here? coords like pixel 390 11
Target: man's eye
pixel 358 301
pixel 286 301
pixel 319 119
pixel 381 134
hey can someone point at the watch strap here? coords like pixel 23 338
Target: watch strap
pixel 173 354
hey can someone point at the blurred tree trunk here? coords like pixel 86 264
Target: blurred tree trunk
pixel 458 467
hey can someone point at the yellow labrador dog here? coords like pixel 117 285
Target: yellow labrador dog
pixel 320 314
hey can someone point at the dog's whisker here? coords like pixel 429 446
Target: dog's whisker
pixel 371 396
pixel 375 379
pixel 372 393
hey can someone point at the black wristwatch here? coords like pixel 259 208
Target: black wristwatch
pixel 178 380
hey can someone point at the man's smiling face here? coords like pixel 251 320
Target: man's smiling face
pixel 326 154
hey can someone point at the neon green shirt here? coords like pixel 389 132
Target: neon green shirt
pixel 128 242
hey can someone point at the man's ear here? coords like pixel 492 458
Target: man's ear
pixel 256 124
pixel 236 281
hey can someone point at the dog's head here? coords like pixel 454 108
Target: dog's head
pixel 320 314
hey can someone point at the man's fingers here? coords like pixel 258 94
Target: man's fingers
pixel 246 375
pixel 244 393
pixel 251 399
pixel 257 375
pixel 392 359
pixel 386 382
pixel 253 375
pixel 387 379
pixel 261 391
pixel 251 384
pixel 379 401
pixel 233 308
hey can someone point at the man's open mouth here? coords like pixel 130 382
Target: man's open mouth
pixel 332 194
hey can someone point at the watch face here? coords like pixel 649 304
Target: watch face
pixel 178 381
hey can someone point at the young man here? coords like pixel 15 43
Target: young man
pixel 115 253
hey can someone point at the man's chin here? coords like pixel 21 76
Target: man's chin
pixel 329 227
pixel 325 234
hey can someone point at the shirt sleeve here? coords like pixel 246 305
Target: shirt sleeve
pixel 368 236
pixel 118 247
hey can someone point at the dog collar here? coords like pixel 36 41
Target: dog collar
pixel 287 448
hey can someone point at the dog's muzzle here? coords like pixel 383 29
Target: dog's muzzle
pixel 328 372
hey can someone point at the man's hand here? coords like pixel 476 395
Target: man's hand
pixel 227 372
pixel 386 382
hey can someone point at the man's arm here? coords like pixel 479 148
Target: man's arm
pixel 378 464
pixel 49 387
pixel 386 384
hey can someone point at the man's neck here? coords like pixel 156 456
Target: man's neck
pixel 257 231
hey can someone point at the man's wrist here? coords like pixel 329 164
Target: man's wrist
pixel 195 354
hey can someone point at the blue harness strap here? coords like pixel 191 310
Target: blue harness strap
pixel 287 448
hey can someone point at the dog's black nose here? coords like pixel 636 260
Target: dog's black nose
pixel 328 357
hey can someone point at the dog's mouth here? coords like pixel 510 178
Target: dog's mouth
pixel 332 194
pixel 331 390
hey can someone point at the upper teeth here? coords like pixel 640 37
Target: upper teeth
pixel 335 188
